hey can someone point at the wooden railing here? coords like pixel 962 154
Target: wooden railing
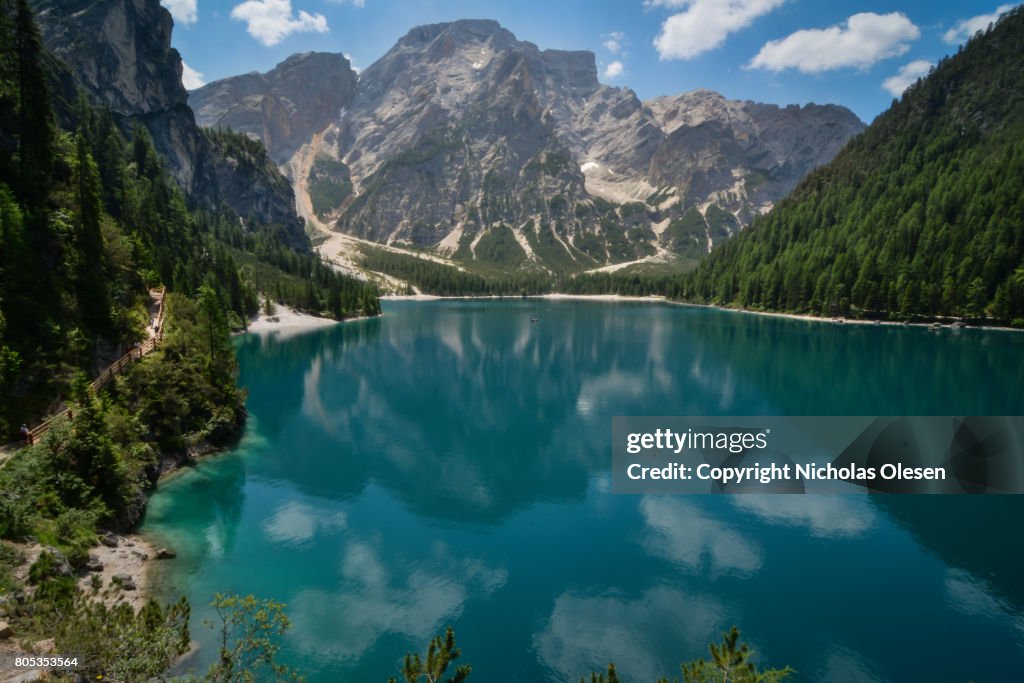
pixel 117 367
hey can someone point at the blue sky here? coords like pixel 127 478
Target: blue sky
pixel 858 53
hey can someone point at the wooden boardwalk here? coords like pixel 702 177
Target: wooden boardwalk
pixel 156 335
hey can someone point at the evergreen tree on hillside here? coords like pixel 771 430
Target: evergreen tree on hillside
pixel 36 127
pixel 91 270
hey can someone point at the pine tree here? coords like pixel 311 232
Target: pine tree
pixel 8 95
pixel 440 654
pixel 610 677
pixel 91 276
pixel 36 127
pixel 215 331
pixel 730 663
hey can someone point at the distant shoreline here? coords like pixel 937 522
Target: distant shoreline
pixel 806 317
pixel 291 322
pixel 498 297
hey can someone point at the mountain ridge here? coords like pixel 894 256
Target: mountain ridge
pixel 461 129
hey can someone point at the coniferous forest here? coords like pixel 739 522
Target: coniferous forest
pixel 91 221
pixel 922 214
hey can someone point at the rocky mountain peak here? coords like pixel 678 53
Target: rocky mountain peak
pixel 306 68
pixel 462 32
pixel 461 129
pixel 284 107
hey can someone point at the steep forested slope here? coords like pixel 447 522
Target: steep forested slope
pixel 921 214
pixel 92 219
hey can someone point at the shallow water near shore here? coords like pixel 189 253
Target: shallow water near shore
pixel 448 464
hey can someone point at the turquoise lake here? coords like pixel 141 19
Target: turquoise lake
pixel 448 464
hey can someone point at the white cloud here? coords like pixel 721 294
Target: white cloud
pixel 354 3
pixel 614 69
pixel 190 78
pixel 615 42
pixel 271 21
pixel 861 41
pixel 968 27
pixel 704 24
pixel 184 11
pixel 907 76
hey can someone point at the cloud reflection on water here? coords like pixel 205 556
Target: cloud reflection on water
pixel 377 597
pixel 682 533
pixel 825 516
pixel 584 633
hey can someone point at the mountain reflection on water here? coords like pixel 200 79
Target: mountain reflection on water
pixel 449 464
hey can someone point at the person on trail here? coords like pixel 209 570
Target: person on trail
pixel 26 433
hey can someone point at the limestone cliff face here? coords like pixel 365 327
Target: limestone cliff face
pixel 284 107
pixel 462 130
pixel 451 133
pixel 759 151
pixel 119 54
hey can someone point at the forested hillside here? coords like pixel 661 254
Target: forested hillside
pixel 922 214
pixel 92 224
pixel 91 221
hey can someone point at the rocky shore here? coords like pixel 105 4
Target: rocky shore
pixel 119 566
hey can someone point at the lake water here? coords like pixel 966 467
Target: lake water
pixel 448 464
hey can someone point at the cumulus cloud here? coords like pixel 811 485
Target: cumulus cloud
pixel 190 78
pixel 704 24
pixel 614 69
pixel 615 42
pixel 184 11
pixel 966 28
pixel 907 76
pixel 271 21
pixel 861 41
